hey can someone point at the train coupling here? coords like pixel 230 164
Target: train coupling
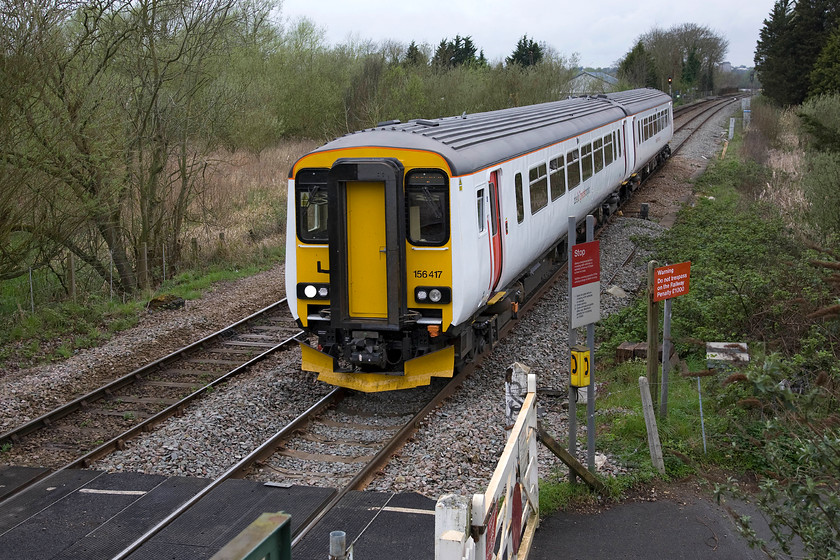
pixel 366 349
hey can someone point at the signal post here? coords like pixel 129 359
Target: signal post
pixel 584 309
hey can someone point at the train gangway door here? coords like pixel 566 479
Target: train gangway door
pixel 268 536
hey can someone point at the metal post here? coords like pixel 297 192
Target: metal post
pixel 590 390
pixel 571 237
pixel 337 545
pixel 652 332
pixel 666 362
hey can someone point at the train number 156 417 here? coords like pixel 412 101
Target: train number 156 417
pixel 427 273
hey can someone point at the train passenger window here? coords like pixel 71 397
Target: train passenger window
pixel 608 150
pixel 598 154
pixel 427 204
pixel 618 143
pixel 573 168
pixel 586 161
pixel 312 207
pixel 557 177
pixel 520 203
pixel 479 207
pixel 538 182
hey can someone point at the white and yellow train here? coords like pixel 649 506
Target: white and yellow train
pixel 410 244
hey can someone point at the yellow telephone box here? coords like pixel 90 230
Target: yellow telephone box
pixel 580 366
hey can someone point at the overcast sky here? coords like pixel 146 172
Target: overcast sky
pixel 599 31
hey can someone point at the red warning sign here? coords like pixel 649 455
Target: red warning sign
pixel 671 281
pixel 586 263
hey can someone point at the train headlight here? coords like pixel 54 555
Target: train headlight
pixel 432 294
pixel 306 290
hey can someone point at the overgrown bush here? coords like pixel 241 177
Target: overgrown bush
pixel 821 188
pixel 799 444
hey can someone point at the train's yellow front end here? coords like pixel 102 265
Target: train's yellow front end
pixel 369 266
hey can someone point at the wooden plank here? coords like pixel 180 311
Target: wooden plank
pixel 652 430
pixel 355 426
pixel 174 384
pixel 232 351
pixel 324 458
pixel 571 461
pixel 250 344
pixel 180 372
pixel 133 414
pixel 214 362
pixel 146 400
pixel 256 336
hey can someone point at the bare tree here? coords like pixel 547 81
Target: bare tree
pixel 107 109
pixel 686 53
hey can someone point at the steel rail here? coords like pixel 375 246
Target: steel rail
pixel 12 436
pixel 330 399
pixel 698 120
pixel 367 473
pixel 118 441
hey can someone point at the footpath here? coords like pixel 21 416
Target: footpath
pixel 682 521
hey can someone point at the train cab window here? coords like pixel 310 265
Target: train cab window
pixel 520 201
pixel 538 182
pixel 479 207
pixel 557 177
pixel 573 168
pixel 598 154
pixel 312 207
pixel 427 205
pixel 586 161
pixel 608 150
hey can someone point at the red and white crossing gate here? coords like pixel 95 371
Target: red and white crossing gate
pixel 502 520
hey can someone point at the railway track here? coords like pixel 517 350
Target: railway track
pixel 692 117
pixel 93 425
pixel 344 438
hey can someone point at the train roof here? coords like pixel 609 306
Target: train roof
pixel 471 142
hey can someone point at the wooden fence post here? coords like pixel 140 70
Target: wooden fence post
pixel 650 422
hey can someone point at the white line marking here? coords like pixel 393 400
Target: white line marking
pixel 409 510
pixel 114 492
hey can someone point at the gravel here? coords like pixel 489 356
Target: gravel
pixel 454 451
pixel 29 393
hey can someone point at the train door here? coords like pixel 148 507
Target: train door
pixel 367 249
pixel 367 259
pixel 495 230
pixel 629 145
